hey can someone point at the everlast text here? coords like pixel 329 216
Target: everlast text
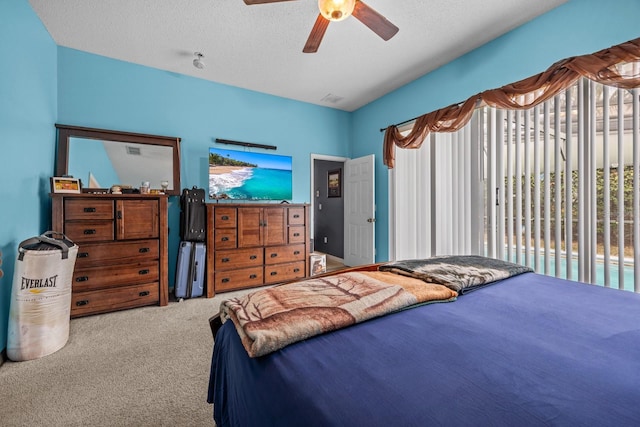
pixel 47 282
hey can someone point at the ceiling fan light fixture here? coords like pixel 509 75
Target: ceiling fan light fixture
pixel 197 62
pixel 336 10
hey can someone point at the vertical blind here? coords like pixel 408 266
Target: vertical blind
pixel 555 187
pixel 433 196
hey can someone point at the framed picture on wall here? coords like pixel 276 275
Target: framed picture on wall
pixel 334 183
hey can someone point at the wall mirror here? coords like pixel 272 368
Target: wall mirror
pixel 103 158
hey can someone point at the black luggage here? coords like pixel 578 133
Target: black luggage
pixel 193 215
pixel 190 271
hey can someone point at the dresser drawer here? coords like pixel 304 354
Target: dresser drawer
pixel 239 258
pixel 225 217
pixel 122 249
pixel 296 216
pixel 297 234
pixel 88 209
pixel 89 231
pixel 237 279
pixel 102 253
pixel 85 279
pixel 283 272
pixel 83 303
pixel 280 254
pixel 225 238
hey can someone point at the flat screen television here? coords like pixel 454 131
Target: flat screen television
pixel 243 175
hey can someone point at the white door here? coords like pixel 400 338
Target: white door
pixel 359 211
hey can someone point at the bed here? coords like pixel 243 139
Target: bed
pixel 524 350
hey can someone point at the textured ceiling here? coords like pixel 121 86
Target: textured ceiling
pixel 259 47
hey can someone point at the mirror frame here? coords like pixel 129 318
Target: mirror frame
pixel 65 132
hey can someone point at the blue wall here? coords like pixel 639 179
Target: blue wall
pixel 100 92
pixel 41 84
pixel 28 99
pixel 575 28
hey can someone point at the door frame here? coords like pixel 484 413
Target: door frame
pixel 312 195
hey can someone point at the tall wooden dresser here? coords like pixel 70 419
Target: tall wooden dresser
pixel 252 245
pixel 122 257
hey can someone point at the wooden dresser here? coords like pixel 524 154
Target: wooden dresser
pixel 122 257
pixel 252 245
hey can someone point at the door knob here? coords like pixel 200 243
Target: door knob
pixel 371 220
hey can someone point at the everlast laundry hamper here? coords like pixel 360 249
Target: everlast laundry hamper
pixel 41 296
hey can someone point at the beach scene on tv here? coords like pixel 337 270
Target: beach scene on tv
pixel 245 175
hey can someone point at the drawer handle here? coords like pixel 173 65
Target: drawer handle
pixel 82 302
pixel 143 294
pixel 253 257
pixel 143 250
pixel 89 231
pixel 273 273
pixel 274 255
pixel 296 216
pixel 225 259
pixel 89 209
pixel 145 271
pixel 225 239
pixel 225 217
pixel 253 276
pixel 295 270
pixel 83 254
pixel 225 280
pixel 296 252
pixel 296 234
pixel 82 279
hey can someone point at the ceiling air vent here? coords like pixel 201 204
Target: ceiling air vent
pixel 134 151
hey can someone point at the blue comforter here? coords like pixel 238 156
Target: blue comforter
pixel 529 350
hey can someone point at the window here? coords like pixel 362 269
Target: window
pixel 554 187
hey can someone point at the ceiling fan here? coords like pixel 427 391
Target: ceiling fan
pixel 337 10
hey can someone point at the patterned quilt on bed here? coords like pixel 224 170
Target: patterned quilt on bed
pixel 270 319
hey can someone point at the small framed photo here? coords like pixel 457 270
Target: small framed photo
pixel 334 183
pixel 65 185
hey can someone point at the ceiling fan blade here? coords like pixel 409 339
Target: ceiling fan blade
pixel 250 2
pixel 317 32
pixel 376 22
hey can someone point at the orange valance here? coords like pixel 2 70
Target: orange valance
pixel 617 66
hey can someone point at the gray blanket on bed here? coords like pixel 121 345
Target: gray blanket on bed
pixel 462 273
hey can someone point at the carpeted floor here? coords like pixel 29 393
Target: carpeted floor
pixel 142 367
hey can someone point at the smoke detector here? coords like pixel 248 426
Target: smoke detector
pixel 197 62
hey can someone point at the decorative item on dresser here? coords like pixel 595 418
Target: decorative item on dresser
pixel 122 257
pixel 253 245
